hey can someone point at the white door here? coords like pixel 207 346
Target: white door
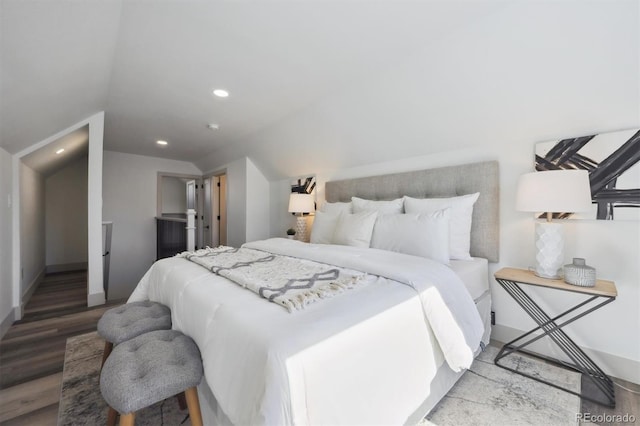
pixel 192 203
pixel 191 194
pixel 207 229
pixel 222 209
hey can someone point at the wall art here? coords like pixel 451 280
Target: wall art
pixel 612 160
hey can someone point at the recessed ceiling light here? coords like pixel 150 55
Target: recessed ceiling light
pixel 221 93
pixel 213 126
pixel 60 151
pixel 162 142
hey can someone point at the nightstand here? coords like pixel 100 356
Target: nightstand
pixel 604 292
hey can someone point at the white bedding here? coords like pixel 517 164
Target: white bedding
pixel 474 274
pixel 363 357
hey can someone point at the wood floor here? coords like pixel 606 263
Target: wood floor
pixel 32 354
pixel 32 351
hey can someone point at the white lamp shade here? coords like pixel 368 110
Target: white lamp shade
pixel 301 203
pixel 554 191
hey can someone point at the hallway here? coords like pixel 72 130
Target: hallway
pixel 32 351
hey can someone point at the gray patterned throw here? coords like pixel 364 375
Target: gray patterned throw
pixel 287 281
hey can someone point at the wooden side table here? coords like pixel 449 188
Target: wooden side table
pixel 604 292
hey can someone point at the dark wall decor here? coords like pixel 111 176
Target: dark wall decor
pixel 612 160
pixel 303 185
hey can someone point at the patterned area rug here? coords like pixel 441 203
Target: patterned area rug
pixel 485 395
pixel 490 395
pixel 81 402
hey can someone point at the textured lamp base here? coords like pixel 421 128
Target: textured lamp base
pixel 301 228
pixel 549 249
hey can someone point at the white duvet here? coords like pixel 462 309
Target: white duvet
pixel 366 356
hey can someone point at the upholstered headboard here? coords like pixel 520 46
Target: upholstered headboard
pixel 432 183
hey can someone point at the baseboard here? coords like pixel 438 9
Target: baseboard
pixel 7 322
pixel 26 295
pixel 65 267
pixel 613 365
pixel 95 299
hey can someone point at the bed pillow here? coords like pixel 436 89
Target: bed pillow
pixel 355 229
pixel 324 224
pixel 337 207
pixel 459 221
pixel 382 207
pixel 424 235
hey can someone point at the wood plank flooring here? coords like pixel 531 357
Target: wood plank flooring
pixel 32 351
pixel 32 354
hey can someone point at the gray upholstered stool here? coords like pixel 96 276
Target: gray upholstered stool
pixel 125 322
pixel 148 369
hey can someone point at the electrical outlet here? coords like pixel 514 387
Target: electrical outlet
pixel 493 318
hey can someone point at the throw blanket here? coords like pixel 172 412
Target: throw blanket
pixel 290 282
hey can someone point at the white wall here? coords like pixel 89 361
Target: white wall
pixel 66 215
pixel 237 202
pixel 130 201
pixel 32 228
pixel 6 286
pixel 258 204
pixel 248 202
pixel 174 195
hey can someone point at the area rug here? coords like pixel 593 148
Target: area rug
pixel 485 395
pixel 489 395
pixel 81 402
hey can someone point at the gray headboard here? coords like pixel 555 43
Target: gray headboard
pixel 432 183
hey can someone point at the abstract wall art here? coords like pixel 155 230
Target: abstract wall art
pixel 304 185
pixel 612 160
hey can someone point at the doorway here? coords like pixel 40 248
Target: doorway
pixel 214 210
pixel 177 193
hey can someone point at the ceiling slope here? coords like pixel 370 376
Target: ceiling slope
pixel 56 59
pixel 153 65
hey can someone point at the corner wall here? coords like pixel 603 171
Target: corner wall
pixel 258 207
pixel 6 204
pixel 32 229
pixel 66 206
pixel 130 192
pixel 248 202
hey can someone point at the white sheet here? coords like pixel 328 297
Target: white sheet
pixel 474 274
pixel 364 357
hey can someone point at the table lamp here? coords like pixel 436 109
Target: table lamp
pixel 555 191
pixel 299 204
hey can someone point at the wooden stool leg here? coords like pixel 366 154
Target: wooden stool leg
pixel 111 417
pixel 108 347
pixel 194 406
pixel 182 401
pixel 128 419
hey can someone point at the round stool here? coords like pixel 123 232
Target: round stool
pixel 130 320
pixel 148 369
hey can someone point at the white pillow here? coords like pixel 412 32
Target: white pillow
pixel 355 229
pixel 336 207
pixel 382 207
pixel 425 235
pixel 324 224
pixel 459 222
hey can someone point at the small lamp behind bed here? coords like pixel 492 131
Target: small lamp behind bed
pixel 299 204
pixel 555 191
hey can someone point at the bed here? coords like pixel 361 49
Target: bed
pixel 384 352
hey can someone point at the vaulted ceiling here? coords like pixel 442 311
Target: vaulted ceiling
pixel 152 65
pixel 315 84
